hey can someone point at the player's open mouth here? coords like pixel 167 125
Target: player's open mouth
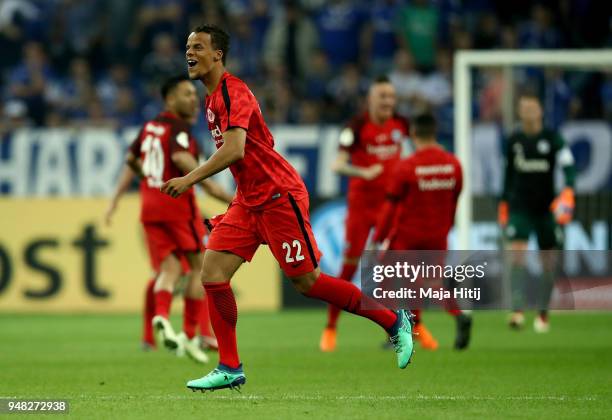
pixel 191 63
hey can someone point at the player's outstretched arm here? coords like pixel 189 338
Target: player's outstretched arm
pixel 231 151
pixel 214 189
pixel 186 162
pixel 135 164
pixel 342 166
pixel 125 179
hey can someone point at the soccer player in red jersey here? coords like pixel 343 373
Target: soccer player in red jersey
pixel 370 146
pixel 271 206
pixel 420 209
pixel 207 338
pixel 163 149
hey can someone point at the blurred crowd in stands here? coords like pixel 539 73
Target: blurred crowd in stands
pixel 100 62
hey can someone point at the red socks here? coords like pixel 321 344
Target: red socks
pixel 191 316
pixel 347 296
pixel 148 314
pixel 223 317
pixel 163 299
pixel 333 312
pixel 204 319
pixel 348 271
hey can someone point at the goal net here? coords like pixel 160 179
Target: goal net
pixel 575 87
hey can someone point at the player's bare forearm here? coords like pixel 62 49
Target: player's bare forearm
pixel 134 163
pixel 347 169
pixel 342 166
pixel 215 190
pixel 231 151
pixel 186 162
pixel 124 182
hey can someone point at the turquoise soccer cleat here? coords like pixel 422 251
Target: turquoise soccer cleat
pixel 220 378
pixel 401 338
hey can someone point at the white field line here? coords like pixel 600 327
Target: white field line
pixel 298 397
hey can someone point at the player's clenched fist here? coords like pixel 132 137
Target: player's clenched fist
pixel 175 186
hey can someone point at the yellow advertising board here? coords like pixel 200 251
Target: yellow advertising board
pixel 56 255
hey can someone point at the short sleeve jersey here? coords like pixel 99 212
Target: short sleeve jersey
pixel 157 141
pixel 262 176
pixel 369 143
pixel 426 186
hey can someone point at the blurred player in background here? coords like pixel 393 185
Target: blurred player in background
pixel 271 206
pixel 370 146
pixel 529 205
pixel 174 228
pixel 419 211
pixel 207 338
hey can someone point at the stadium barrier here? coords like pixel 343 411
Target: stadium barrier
pixel 56 255
pixel 69 162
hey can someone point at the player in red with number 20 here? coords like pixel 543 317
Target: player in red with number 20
pixel 174 229
pixel 271 206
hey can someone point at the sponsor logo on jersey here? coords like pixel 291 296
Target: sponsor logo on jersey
pixel 435 184
pixel 522 164
pixel 434 169
pixel 384 151
pixel 216 134
pixel 381 138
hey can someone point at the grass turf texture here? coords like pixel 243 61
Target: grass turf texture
pixel 94 362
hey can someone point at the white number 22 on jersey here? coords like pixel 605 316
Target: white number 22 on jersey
pixel 153 162
pixel 298 251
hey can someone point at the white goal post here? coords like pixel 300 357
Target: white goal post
pixel 464 62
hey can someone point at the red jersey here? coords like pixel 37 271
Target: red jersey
pixel 369 143
pixel 155 144
pixel 263 176
pixel 425 188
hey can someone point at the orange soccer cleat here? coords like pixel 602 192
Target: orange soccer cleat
pixel 328 340
pixel 424 337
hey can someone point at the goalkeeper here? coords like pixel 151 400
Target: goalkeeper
pixel 528 203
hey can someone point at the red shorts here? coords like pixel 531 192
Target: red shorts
pixel 360 220
pixel 285 228
pixel 173 237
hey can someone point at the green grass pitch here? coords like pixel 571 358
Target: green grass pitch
pixel 95 362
